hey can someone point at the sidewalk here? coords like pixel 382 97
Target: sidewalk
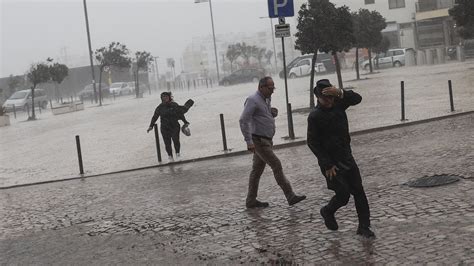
pixel 194 213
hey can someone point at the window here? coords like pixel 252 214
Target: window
pixel 398 52
pixel 396 4
pixel 368 2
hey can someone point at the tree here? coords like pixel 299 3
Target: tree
pixel 13 83
pixel 339 36
pixel 463 14
pixel 58 73
pixel 323 27
pixel 233 52
pixel 115 55
pixel 367 27
pixel 143 60
pixel 268 57
pixel 38 73
pixel 245 52
pixel 260 55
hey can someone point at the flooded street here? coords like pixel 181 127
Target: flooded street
pixel 113 137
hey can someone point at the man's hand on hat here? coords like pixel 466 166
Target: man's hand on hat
pixel 332 91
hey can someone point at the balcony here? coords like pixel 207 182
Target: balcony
pixel 431 5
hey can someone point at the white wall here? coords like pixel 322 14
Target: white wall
pixel 400 15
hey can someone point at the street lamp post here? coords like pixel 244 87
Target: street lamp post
pixel 213 34
pixel 90 56
pixel 157 73
pixel 273 39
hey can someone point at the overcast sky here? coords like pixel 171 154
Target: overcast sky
pixel 33 30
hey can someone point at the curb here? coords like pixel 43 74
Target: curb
pixel 243 152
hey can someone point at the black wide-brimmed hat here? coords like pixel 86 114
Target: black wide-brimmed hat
pixel 320 85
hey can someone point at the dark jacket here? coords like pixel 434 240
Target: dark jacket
pixel 169 114
pixel 328 132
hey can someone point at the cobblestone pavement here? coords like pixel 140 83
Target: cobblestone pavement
pixel 194 213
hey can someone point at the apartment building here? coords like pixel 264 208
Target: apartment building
pixel 410 23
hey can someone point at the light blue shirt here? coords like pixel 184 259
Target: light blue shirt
pixel 257 118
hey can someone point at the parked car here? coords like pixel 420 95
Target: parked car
pixel 243 75
pixel 121 88
pixel 391 58
pixel 22 100
pixel 300 67
pixel 143 87
pixel 88 91
pixel 303 68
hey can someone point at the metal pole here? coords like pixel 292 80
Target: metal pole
pixel 79 155
pixel 451 95
pixel 157 73
pixel 402 88
pixel 14 111
pixel 157 140
pixel 224 139
pixel 274 49
pixel 288 111
pixel 90 52
pixel 214 37
pixel 290 116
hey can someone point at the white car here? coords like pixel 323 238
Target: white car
pixel 22 100
pixel 121 88
pixel 303 68
pixel 391 58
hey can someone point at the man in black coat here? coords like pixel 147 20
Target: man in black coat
pixel 329 140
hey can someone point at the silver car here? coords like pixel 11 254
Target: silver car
pixel 391 58
pixel 22 100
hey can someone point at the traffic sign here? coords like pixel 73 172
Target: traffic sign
pixel 280 8
pixel 282 31
pixel 281 20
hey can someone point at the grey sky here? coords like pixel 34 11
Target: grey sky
pixel 33 30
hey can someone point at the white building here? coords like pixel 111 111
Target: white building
pixel 410 23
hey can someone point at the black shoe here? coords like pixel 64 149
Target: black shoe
pixel 257 204
pixel 295 199
pixel 365 232
pixel 329 219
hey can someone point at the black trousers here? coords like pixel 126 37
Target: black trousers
pixel 171 133
pixel 352 186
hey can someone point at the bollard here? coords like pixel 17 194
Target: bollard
pixel 114 95
pixel 402 92
pixel 14 111
pixel 207 83
pixel 194 82
pixel 451 95
pixel 61 99
pixel 291 132
pixel 157 140
pixel 50 104
pixel 79 155
pixel 188 85
pixel 224 139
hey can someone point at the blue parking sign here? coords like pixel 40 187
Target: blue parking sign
pixel 280 8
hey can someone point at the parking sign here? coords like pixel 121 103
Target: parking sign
pixel 280 8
